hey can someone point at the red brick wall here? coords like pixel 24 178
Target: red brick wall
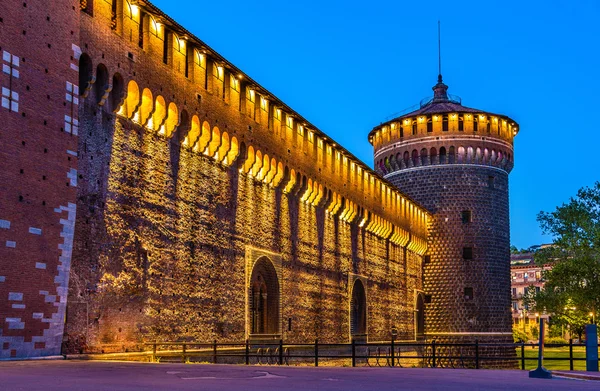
pixel 38 177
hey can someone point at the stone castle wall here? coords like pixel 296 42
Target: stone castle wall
pixel 184 176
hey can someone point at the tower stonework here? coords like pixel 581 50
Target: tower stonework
pixel 455 161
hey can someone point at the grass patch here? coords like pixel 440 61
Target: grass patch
pixel 561 353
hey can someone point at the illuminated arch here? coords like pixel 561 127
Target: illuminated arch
pixel 204 138
pixel 221 154
pixel 233 153
pixel 171 121
pixel 257 164
pixel 250 157
pixel 280 174
pixel 146 107
pixel 159 114
pixel 193 134
pixel 215 142
pixel 131 101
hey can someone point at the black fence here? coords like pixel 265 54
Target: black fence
pixel 392 354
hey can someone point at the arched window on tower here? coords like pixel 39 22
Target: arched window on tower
pixel 429 125
pixel 406 157
pixel 401 131
pixel 414 128
pixel 445 123
pixel 461 124
pixel 442 155
pixel 423 156
pixel 415 157
pixel 475 123
pixel 433 156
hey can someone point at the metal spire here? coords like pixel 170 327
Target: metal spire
pixel 439 55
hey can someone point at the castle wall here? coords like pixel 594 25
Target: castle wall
pixel 189 172
pixel 38 172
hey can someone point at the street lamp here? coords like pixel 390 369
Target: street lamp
pixel 593 316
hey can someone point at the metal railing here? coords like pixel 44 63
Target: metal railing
pixel 392 354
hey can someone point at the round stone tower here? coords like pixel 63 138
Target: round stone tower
pixel 455 161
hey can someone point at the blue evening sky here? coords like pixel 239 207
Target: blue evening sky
pixel 346 65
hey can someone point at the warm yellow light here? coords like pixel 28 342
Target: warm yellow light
pixel 421 119
pixel 453 115
pixel 537 315
pixel 591 314
pixel 435 117
pixel 468 115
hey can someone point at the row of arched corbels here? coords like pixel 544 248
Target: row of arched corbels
pixel 165 119
pixel 265 169
pixel 461 155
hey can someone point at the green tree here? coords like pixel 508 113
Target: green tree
pixel 572 287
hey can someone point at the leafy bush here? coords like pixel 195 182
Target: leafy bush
pixel 555 340
pixel 519 335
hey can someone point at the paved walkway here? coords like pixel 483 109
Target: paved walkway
pixel 94 375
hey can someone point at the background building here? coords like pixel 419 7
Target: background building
pixel 525 275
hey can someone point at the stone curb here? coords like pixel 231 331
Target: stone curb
pixel 575 375
pixel 34 358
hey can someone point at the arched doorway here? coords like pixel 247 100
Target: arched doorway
pixel 264 298
pixel 358 311
pixel 420 316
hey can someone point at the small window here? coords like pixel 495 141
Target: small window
pixel 466 216
pixel 445 123
pixel 401 132
pixel 429 126
pixel 426 258
pixel 468 293
pixel 475 124
pixel 491 181
pixel 414 128
pixel 467 253
pixel 461 124
pixel 427 299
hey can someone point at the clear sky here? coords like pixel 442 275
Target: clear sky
pixel 346 65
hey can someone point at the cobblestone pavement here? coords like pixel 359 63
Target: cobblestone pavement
pixel 95 375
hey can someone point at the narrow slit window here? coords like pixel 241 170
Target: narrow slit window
pixel 466 216
pixel 467 253
pixel 468 293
